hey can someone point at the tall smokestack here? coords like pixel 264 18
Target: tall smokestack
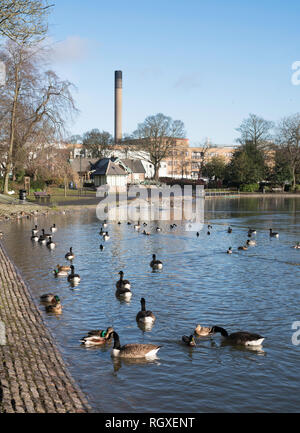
pixel 118 106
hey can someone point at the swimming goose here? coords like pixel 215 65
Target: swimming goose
pixel 53 229
pixel 134 350
pixel 240 338
pixel 274 234
pixel 251 243
pixel 143 315
pixel 190 341
pixel 101 233
pixel 156 264
pixel 123 287
pixel 46 235
pixel 158 229
pixel 49 298
pixel 251 232
pixel 106 236
pixel 51 244
pixel 42 239
pixel 34 236
pixel 229 230
pixel 104 224
pixel 35 230
pixel 70 255
pixel 56 307
pixel 202 331
pixel 229 251
pixel 97 338
pixel 73 278
pixel 297 246
pixel 137 226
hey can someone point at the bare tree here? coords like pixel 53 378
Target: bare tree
pixel 23 20
pixel 97 143
pixel 288 139
pixel 30 102
pixel 157 136
pixel 255 129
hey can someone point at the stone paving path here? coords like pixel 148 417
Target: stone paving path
pixel 33 376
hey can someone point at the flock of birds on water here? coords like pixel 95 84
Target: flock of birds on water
pixel 144 317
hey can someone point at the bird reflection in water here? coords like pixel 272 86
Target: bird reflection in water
pixel 119 362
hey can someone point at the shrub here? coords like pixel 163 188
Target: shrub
pixel 251 187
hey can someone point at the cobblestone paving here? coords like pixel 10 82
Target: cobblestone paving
pixel 33 376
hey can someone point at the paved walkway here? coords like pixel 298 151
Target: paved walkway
pixel 33 376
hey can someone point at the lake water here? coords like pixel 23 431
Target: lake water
pixel 255 290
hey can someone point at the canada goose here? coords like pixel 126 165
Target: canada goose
pixel 42 239
pixel 251 232
pixel 97 338
pixel 190 341
pixel 70 255
pixel 209 226
pixel 240 338
pixel 101 233
pixel 46 235
pixel 106 236
pixel 104 224
pixel 229 251
pixel 146 233
pixel 145 224
pixel 137 226
pixel 51 244
pixel 243 248
pixel 101 247
pixel 53 229
pixel 229 230
pixel 202 331
pixel 274 234
pixel 158 229
pixel 251 243
pixel 156 264
pixel 297 246
pixel 122 283
pixel 143 315
pixel 123 287
pixel 34 236
pixel 172 226
pixel 49 298
pixel 73 278
pixel 56 307
pixel 134 350
pixel 35 230
pixel 197 234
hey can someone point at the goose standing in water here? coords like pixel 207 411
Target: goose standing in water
pixel 51 244
pixel 189 341
pixel 34 236
pixel 70 255
pixel 273 234
pixel 133 350
pixel 53 229
pixel 156 264
pixel 144 316
pixel 73 278
pixel 241 338
pixel 97 338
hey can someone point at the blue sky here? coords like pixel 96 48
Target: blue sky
pixel 207 63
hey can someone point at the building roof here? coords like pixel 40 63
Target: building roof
pixel 106 166
pixel 135 165
pixel 82 166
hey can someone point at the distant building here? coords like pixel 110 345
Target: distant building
pixel 108 171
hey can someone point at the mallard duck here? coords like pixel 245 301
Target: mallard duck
pixel 251 243
pixel 143 315
pixel 156 264
pixel 53 229
pixel 134 350
pixel 49 298
pixel 55 307
pixel 58 273
pixel 243 248
pixel 229 230
pixel 70 255
pixel 229 251
pixel 240 338
pixel 73 278
pixel 274 234
pixel 297 246
pixel 97 338
pixel 34 236
pixel 202 331
pixel 35 230
pixel 63 268
pixel 190 341
pixel 51 244
pixel 106 236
